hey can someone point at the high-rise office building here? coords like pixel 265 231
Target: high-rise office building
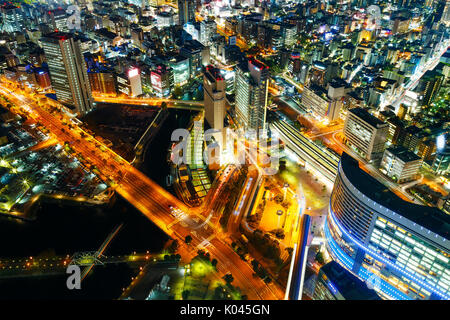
pixel 289 35
pixel 162 80
pixel 193 50
pixel 59 18
pixel 12 19
pixel 214 97
pixel 68 71
pixel 402 249
pixel 445 18
pixel 429 84
pixel 129 83
pixel 181 69
pixel 207 30
pixel 102 82
pixel 325 103
pixel 186 11
pixel 365 133
pixel 252 84
pixel 441 163
pixel 400 164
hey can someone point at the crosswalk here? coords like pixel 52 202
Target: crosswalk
pixel 205 243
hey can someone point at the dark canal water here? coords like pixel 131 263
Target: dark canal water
pixel 64 229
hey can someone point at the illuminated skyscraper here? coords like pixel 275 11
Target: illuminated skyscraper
pixel 207 30
pixel 186 11
pixel 162 80
pixel 68 71
pixel 252 84
pixel 445 19
pixel 59 20
pixel 365 134
pixel 12 19
pixel 214 97
pixel 400 248
pixel 430 84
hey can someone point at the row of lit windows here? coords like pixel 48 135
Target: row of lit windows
pixel 413 256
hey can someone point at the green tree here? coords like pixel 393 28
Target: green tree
pixel 185 294
pixel 174 246
pixel 319 258
pixel 228 278
pixel 176 92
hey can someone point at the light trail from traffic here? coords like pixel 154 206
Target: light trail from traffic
pixel 147 196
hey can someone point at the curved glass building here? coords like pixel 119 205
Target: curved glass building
pixel 399 248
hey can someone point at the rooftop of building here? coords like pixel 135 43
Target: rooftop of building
pixel 430 218
pixel 338 83
pixel 106 33
pixel 355 95
pixel 367 117
pixel 213 74
pixel 8 6
pixel 388 114
pixel 58 35
pixel 165 14
pixel 257 63
pixel 318 90
pixel 349 286
pixel 192 45
pixel 403 154
pixel 413 130
pixel 178 58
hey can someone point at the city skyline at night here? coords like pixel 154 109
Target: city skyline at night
pixel 225 150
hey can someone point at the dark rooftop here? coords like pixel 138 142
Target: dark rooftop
pixel 429 217
pixel 106 33
pixel 403 154
pixel 367 117
pixel 56 36
pixel 349 286
pixel 413 130
pixel 338 83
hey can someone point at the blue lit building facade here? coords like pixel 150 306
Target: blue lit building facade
pixel 399 248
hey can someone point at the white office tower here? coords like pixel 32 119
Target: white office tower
pixel 445 19
pixel 68 72
pixel 214 86
pixel 207 30
pixel 365 134
pixel 252 87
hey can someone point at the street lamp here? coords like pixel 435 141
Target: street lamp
pixel 279 214
pixel 285 187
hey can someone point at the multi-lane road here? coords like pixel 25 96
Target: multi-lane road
pixel 396 99
pixel 148 197
pixel 153 102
